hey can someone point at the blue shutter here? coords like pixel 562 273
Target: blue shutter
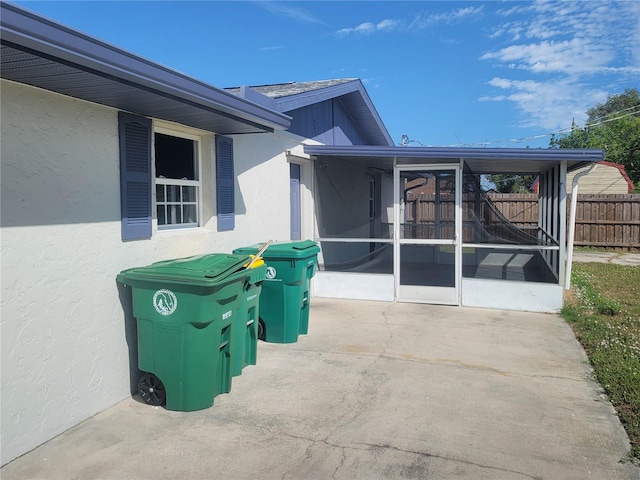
pixel 225 183
pixel 135 175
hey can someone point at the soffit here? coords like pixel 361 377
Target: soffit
pixel 39 52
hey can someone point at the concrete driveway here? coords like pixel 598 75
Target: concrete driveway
pixel 376 390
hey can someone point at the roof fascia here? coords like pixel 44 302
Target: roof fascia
pixel 374 113
pixel 26 29
pixel 559 154
pixel 299 100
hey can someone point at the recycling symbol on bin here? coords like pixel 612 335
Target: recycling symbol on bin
pixel 165 302
pixel 271 273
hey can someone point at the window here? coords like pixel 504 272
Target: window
pixel 177 180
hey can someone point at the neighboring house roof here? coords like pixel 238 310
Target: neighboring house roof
pixel 608 178
pixel 42 53
pixel 349 91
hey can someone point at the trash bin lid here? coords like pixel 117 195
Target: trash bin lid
pixel 295 249
pixel 200 269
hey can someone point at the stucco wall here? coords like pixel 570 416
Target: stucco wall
pixel 262 193
pixel 65 334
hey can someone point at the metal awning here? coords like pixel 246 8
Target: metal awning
pixel 42 53
pixel 523 161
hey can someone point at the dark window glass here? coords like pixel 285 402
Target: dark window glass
pixel 175 157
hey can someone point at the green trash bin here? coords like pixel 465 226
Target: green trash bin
pixel 284 301
pixel 245 331
pixel 185 310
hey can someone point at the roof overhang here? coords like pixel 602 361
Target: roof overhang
pixel 522 161
pixel 42 53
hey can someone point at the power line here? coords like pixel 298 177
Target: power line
pixel 623 110
pixel 630 111
pixel 637 110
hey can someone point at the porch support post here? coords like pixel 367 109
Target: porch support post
pixel 396 229
pixel 562 234
pixel 436 213
pixel 459 212
pixel 555 212
pixel 541 213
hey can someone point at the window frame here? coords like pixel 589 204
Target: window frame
pixel 175 132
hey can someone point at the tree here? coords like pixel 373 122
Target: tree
pixel 623 103
pixel 613 126
pixel 512 183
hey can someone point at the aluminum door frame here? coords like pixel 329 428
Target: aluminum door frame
pixel 435 295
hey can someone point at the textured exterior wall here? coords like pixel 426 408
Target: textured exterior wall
pixel 262 188
pixel 68 345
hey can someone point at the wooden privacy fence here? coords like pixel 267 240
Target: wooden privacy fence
pixel 608 221
pixel 611 221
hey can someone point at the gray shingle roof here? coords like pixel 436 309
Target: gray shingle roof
pixel 280 90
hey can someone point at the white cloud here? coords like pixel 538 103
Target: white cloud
pixel 425 20
pixel 266 49
pixel 566 56
pixel 511 11
pixel 549 105
pixel 575 56
pixel 500 82
pixel 512 29
pixel 497 98
pixel 419 22
pixel 287 10
pixel 367 28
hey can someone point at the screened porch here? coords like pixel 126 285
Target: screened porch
pixel 418 226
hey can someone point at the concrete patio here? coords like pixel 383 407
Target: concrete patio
pixel 375 390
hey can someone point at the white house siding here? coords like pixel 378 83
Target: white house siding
pixel 65 354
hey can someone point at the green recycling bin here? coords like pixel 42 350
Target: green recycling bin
pixel 245 331
pixel 284 301
pixel 185 310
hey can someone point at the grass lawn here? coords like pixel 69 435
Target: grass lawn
pixel 604 311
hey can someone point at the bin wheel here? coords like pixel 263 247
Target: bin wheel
pixel 261 330
pixel 151 390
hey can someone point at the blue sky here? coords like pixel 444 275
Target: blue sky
pixel 457 73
